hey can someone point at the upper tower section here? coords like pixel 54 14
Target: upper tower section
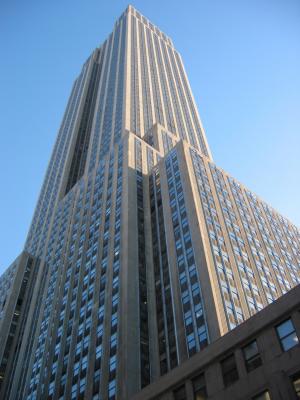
pixel 157 88
pixel 135 80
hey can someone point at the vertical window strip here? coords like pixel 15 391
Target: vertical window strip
pixel 183 101
pixel 191 298
pixel 167 142
pixel 135 102
pixel 110 97
pixel 164 306
pixel 103 65
pixel 120 94
pixel 155 82
pixel 107 48
pixel 115 283
pixel 150 159
pixel 142 268
pixel 192 107
pixel 174 98
pixel 163 80
pixel 147 109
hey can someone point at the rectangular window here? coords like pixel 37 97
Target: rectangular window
pixel 296 384
pixel 262 396
pixel 180 393
pixel 229 370
pixel 112 389
pixel 287 335
pixel 199 387
pixel 252 356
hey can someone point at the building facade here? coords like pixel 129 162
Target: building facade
pixel 144 251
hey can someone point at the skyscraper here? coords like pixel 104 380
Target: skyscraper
pixel 143 250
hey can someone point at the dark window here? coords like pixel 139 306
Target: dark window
pixel 180 394
pixel 262 396
pixel 287 335
pixel 229 370
pixel 296 384
pixel 252 356
pixel 199 387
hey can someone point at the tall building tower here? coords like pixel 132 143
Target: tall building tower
pixel 143 250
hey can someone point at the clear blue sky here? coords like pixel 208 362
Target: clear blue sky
pixel 243 62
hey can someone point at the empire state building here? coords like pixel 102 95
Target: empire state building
pixel 141 252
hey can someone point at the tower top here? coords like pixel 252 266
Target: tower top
pixel 132 10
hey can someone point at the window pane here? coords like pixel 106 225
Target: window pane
pixel 296 383
pixel 287 335
pixel 290 341
pixel 200 396
pixel 263 396
pixel 252 356
pixel 229 370
pixel 180 394
pixel 285 328
pixel 250 350
pixel 199 387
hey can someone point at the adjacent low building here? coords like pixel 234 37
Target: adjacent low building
pixel 258 360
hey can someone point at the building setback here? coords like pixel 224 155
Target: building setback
pixel 143 251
